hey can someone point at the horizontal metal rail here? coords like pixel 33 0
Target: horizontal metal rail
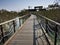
pixel 11 20
pixel 51 28
pixel 50 20
pixel 8 28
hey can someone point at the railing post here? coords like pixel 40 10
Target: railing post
pixel 2 33
pixel 19 22
pixel 47 32
pixel 46 26
pixel 55 39
pixel 22 20
pixel 14 25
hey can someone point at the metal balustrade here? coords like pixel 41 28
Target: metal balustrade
pixel 8 28
pixel 51 29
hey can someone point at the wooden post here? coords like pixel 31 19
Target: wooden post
pixel 46 26
pixel 19 22
pixel 56 30
pixel 2 33
pixel 14 25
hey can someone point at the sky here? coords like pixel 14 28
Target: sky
pixel 17 5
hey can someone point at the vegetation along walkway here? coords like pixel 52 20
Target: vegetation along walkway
pixel 29 34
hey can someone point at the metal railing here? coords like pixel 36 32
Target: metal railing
pixel 51 29
pixel 8 28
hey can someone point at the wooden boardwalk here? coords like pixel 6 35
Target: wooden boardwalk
pixel 29 34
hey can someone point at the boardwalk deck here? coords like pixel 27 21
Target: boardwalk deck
pixel 29 34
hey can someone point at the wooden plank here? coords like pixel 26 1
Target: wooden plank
pixel 28 34
pixel 25 36
pixel 40 38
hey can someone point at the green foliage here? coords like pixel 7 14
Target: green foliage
pixel 8 15
pixel 23 12
pixel 52 14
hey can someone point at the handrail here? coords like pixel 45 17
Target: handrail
pixel 11 20
pixel 46 21
pixel 10 23
pixel 50 20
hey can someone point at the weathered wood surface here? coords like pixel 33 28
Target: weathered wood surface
pixel 29 34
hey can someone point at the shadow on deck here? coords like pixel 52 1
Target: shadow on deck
pixel 29 34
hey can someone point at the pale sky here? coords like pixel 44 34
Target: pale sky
pixel 17 5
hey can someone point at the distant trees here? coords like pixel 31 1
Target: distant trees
pixel 23 12
pixel 53 14
pixel 8 15
pixel 53 6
